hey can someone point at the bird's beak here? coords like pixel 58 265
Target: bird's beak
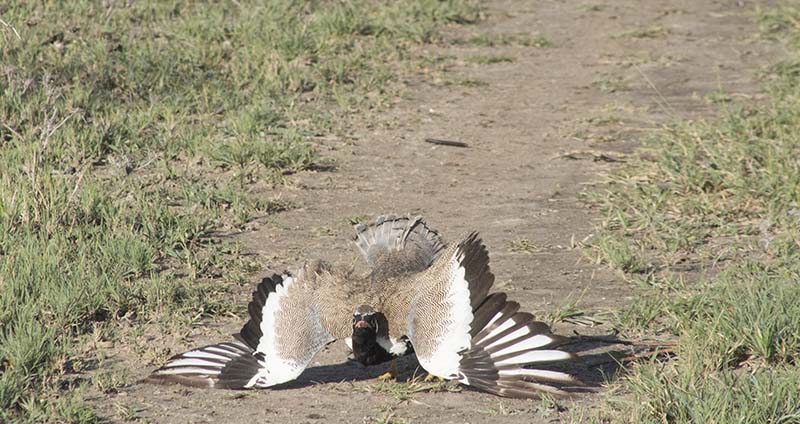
pixel 363 324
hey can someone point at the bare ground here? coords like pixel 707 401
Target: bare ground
pixel 539 128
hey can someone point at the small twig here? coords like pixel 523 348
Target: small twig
pixel 630 358
pixel 12 28
pixel 595 155
pixel 446 142
pixel 13 132
pixel 13 201
pixel 51 131
pixel 647 355
pixel 610 339
pixel 77 186
pixel 657 343
pixel 664 104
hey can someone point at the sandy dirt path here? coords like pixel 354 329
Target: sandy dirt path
pixel 539 128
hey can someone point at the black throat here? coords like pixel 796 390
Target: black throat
pixel 366 348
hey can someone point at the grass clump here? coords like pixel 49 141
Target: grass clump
pixel 521 39
pixel 656 31
pixel 767 395
pixel 405 390
pixel 488 59
pixel 131 133
pixel 620 253
pixel 780 23
pixel 713 206
pixel 523 245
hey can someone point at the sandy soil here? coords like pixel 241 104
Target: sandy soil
pixel 539 129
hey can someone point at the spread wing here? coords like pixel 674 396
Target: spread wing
pixel 291 319
pixel 394 246
pixel 461 332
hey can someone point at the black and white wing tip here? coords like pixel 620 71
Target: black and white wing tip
pixel 225 365
pixel 254 361
pixel 486 342
pixel 506 341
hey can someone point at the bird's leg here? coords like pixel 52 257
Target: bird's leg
pixel 430 377
pixel 392 373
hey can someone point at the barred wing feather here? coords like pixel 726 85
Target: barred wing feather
pixel 461 332
pixel 291 319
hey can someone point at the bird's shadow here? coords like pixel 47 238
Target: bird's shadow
pixel 601 359
pixel 352 371
pixel 598 359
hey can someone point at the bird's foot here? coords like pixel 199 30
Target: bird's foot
pixel 430 377
pixel 391 374
pixel 386 376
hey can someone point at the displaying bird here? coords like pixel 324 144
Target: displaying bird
pixel 419 296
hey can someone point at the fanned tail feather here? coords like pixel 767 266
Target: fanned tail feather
pixel 382 239
pixel 504 341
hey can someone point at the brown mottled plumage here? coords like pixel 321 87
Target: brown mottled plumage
pixel 428 291
pixel 418 293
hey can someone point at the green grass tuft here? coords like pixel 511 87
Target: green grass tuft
pixel 714 207
pixel 488 59
pixel 621 254
pixel 405 390
pixel 656 31
pixel 522 39
pixel 668 393
pixel 523 245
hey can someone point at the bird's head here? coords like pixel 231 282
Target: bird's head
pixel 365 319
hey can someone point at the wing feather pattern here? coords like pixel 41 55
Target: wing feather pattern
pixel 461 332
pixel 438 297
pixel 291 319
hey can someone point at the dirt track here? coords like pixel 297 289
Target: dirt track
pixel 541 127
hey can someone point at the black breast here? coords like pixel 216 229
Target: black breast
pixel 366 348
